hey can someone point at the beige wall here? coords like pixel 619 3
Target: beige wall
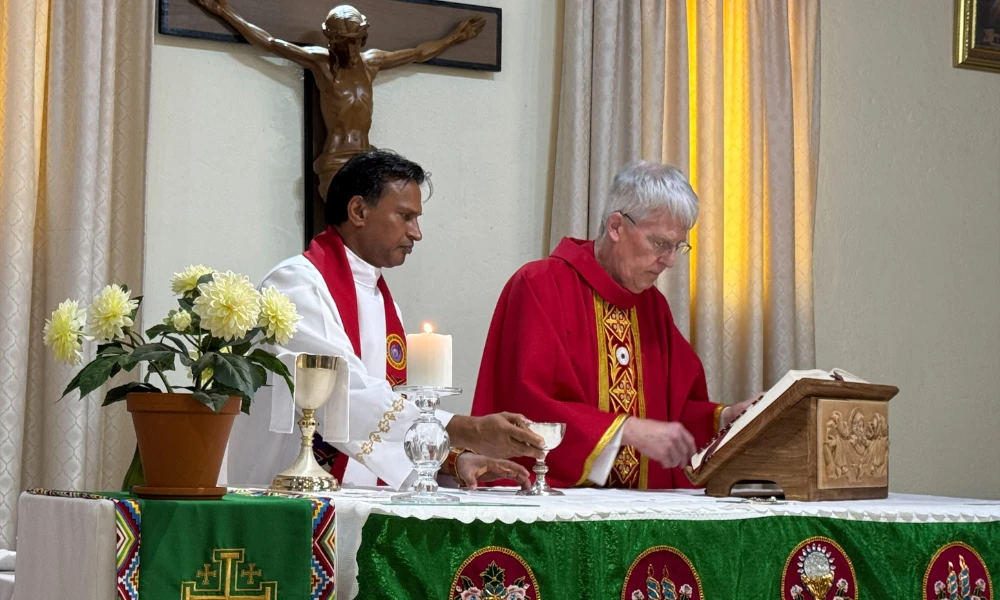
pixel 225 170
pixel 907 260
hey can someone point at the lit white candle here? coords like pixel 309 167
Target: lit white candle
pixel 428 358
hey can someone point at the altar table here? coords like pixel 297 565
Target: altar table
pixel 588 544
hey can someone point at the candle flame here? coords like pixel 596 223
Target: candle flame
pixel 428 328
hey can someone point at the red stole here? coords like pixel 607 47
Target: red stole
pixel 329 255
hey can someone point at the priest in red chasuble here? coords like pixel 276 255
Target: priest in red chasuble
pixel 583 337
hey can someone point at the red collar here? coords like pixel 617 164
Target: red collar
pixel 580 255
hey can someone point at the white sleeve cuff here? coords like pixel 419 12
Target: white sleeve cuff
pixel 443 416
pixel 601 469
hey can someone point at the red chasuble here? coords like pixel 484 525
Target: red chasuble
pixel 327 253
pixel 568 344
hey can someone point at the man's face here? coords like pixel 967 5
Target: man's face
pixel 347 35
pixel 643 248
pixel 390 228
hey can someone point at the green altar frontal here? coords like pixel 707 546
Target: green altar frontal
pixel 591 544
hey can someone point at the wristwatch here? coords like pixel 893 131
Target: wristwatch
pixel 451 463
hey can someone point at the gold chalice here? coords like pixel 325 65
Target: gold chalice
pixel 315 382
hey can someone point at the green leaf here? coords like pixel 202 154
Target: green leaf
pixel 134 476
pixel 187 304
pixel 206 278
pixel 180 346
pixel 258 375
pixel 73 384
pixel 213 400
pixel 96 373
pixel 138 300
pixel 271 363
pixel 111 350
pixel 154 352
pixel 127 362
pixel 235 372
pixel 241 349
pixel 101 348
pixel 160 329
pixel 467 583
pixel 228 391
pixel 206 361
pixel 119 393
pixel 216 344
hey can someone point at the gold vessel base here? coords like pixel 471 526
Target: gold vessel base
pixel 290 483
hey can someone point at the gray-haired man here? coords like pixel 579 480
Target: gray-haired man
pixel 584 338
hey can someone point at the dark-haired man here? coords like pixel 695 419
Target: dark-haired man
pixel 372 207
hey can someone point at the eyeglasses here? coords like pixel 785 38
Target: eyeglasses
pixel 661 247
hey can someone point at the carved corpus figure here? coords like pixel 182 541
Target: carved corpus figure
pixel 343 74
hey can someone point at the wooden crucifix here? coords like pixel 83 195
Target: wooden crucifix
pixel 339 75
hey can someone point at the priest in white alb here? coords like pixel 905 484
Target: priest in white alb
pixel 347 310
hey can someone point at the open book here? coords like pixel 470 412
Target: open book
pixel 759 406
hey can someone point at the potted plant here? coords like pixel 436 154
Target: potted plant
pixel 181 430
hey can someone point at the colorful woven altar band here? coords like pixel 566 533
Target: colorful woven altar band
pixel 793 558
pixel 244 546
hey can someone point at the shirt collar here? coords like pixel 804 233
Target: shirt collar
pixel 363 273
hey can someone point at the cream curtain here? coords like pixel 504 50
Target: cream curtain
pixel 74 88
pixel 727 92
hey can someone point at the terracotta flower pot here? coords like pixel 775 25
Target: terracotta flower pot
pixel 182 443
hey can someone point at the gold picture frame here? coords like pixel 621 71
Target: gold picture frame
pixel 977 34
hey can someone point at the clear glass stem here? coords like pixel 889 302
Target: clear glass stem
pixel 426 482
pixel 427 445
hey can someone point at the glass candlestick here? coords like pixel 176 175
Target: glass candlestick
pixel 426 444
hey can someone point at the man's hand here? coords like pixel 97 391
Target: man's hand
pixel 469 29
pixel 730 413
pixel 474 467
pixel 669 444
pixel 504 435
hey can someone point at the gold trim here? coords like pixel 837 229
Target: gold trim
pixel 383 427
pixel 669 549
pixel 603 391
pixel 227 574
pixel 502 550
pixel 966 54
pixel 820 538
pixel 930 565
pixel 637 351
pixel 624 327
pixel 717 418
pixel 643 461
pixel 601 445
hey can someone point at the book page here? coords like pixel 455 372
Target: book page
pixel 768 399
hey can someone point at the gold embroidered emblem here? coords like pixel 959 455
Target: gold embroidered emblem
pixel 620 383
pixel 224 579
pixel 395 351
pixel 383 427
